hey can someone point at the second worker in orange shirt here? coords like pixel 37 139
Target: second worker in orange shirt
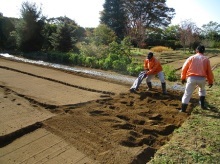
pixel 152 67
pixel 195 71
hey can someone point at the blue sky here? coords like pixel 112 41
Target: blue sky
pixel 198 11
pixel 86 12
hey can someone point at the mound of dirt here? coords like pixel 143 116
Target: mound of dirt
pixel 126 128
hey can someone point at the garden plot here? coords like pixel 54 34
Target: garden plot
pixel 107 128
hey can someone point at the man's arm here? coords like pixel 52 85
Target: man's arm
pixel 210 76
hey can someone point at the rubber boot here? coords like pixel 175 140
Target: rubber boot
pixel 202 101
pixel 149 84
pixel 132 90
pixel 183 108
pixel 164 91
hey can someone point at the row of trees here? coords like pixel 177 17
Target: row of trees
pixel 133 17
pixel 123 24
pixel 33 32
pixel 144 22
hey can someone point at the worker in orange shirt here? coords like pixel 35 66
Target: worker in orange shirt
pixel 195 71
pixel 152 67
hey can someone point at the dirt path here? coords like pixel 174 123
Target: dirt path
pixel 48 116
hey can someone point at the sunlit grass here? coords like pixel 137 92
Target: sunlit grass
pixel 139 51
pixel 160 49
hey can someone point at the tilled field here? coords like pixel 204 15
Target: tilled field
pixel 52 116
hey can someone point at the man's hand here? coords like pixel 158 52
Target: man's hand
pixel 184 81
pixel 210 85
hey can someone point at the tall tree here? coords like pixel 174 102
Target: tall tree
pixel 211 29
pixel 189 34
pixel 61 40
pixel 171 36
pixel 7 26
pixel 65 36
pixel 211 34
pixel 103 35
pixel 113 16
pixel 29 30
pixel 48 30
pixel 154 37
pixel 143 14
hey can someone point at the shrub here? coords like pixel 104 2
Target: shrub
pixel 160 49
pixel 119 65
pixel 101 63
pixel 107 64
pixel 66 58
pixel 55 56
pixel 170 73
pixel 74 59
pixel 81 60
pixel 134 69
pixel 90 62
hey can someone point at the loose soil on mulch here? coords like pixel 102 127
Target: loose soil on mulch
pixel 99 118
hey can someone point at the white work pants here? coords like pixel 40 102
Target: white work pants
pixel 191 84
pixel 160 76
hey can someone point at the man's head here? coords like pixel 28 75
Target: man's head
pixel 200 49
pixel 150 55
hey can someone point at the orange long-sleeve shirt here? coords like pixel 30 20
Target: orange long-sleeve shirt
pixel 153 65
pixel 197 65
